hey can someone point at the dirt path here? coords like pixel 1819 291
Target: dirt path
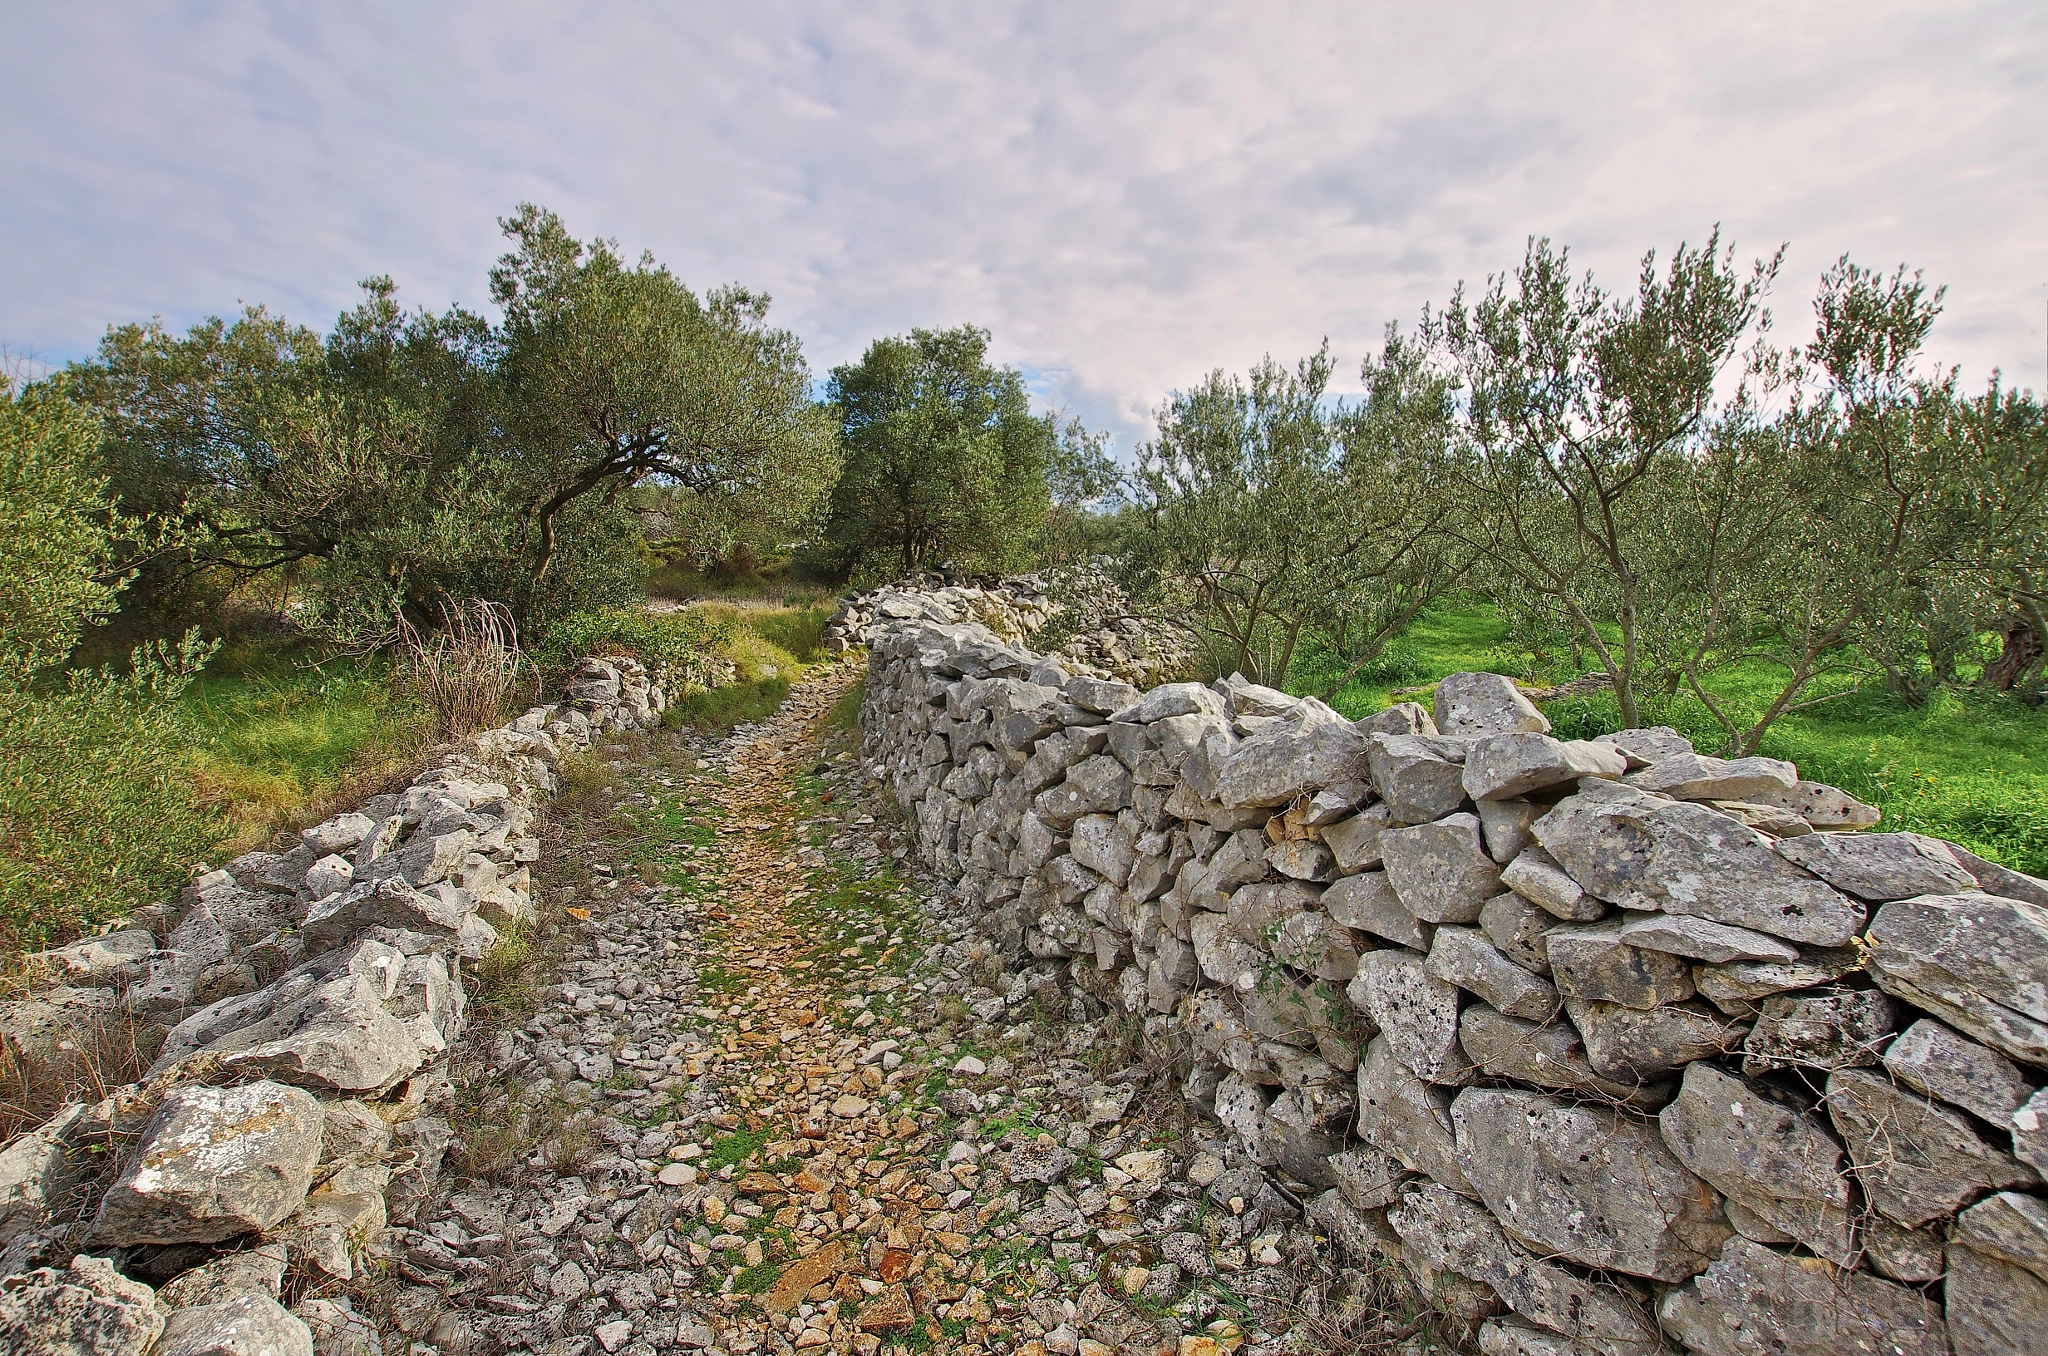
pixel 775 1097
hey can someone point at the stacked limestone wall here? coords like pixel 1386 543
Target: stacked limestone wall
pixel 310 998
pixel 1612 1045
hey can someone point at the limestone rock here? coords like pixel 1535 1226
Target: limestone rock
pixel 1549 1056
pixel 1096 785
pixel 214 1163
pixel 1814 1310
pixel 1439 870
pixel 1593 839
pixel 1281 762
pixel 1454 1234
pixel 1691 776
pixel 88 1310
pixel 1701 939
pixel 2030 1132
pixel 1302 859
pixel 1419 778
pixel 339 834
pixel 114 958
pixel 1504 766
pixel 1504 824
pixel 1917 1159
pixel 1503 1338
pixel 1597 964
pixel 1820 1029
pixel 1734 982
pixel 1994 1307
pixel 1464 957
pixel 1519 929
pixel 1536 876
pixel 1978 962
pixel 1171 699
pixel 248 1324
pixel 251 1271
pixel 1417 1013
pixel 1820 805
pixel 1994 879
pixel 1631 1044
pixel 1710 865
pixel 1485 703
pixel 1368 903
pixel 1778 1163
pixel 35 1172
pixel 377 904
pixel 1370 1179
pixel 1406 1117
pixel 1598 1187
pixel 2010 1227
pixel 1356 841
pixel 1880 866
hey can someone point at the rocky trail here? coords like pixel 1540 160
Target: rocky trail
pixel 775 1096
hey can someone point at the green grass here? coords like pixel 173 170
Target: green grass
pixel 273 738
pixel 1968 767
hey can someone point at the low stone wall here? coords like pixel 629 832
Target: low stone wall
pixel 1612 1045
pixel 310 998
pixel 1102 641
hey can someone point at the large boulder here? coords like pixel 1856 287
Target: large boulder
pixel 1484 704
pixel 214 1163
pixel 1979 962
pixel 1755 1302
pixel 1595 1186
pixel 1780 1164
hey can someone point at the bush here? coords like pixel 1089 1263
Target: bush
pixel 95 814
pixel 681 648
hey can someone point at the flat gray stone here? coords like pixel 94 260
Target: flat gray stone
pixel 370 904
pixel 1505 766
pixel 1485 703
pixel 1519 929
pixel 1536 876
pixel 1369 1178
pixel 1406 1117
pixel 1880 866
pixel 1814 1310
pixel 89 1309
pixel 1994 1308
pixel 1914 1256
pixel 1692 776
pixel 1820 1029
pixel 1734 982
pixel 214 1163
pixel 1417 1013
pixel 1504 1337
pixel 1368 903
pixel 1356 841
pixel 1419 778
pixel 1302 859
pixel 1978 962
pixel 1464 957
pixel 2003 881
pixel 1594 1186
pixel 1644 1045
pixel 35 1173
pixel 258 1270
pixel 1597 964
pixel 1917 1159
pixel 241 1325
pixel 1455 1234
pixel 1439 870
pixel 1704 940
pixel 1171 699
pixel 2011 1227
pixel 1222 957
pixel 1777 1163
pixel 1098 784
pixel 1710 865
pixel 1402 718
pixel 1820 805
pixel 1549 1056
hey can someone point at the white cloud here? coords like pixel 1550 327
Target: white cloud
pixel 1126 195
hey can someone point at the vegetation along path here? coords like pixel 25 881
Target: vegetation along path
pixel 772 1098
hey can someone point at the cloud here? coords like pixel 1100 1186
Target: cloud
pixel 1127 196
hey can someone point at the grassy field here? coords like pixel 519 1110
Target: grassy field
pixel 1967 767
pixel 275 740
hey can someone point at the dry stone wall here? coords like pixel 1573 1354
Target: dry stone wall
pixel 310 998
pixel 1616 1047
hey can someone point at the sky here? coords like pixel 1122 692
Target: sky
pixel 1126 195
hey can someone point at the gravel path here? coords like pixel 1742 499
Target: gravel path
pixel 777 1096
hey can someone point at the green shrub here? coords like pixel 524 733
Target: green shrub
pixel 680 648
pixel 95 814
